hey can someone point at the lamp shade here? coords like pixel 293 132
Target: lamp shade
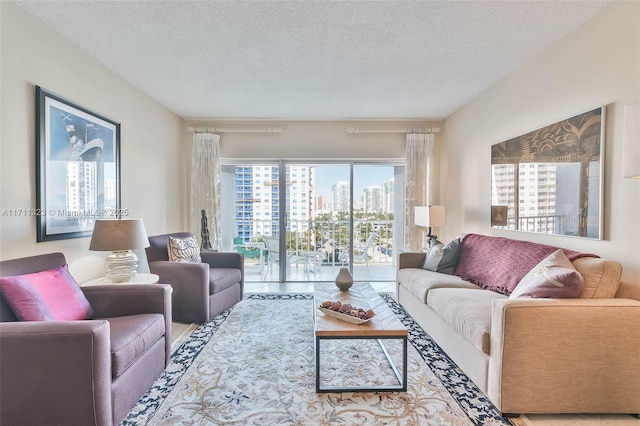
pixel 631 137
pixel 118 234
pixel 429 216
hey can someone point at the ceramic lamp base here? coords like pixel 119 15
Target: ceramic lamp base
pixel 121 266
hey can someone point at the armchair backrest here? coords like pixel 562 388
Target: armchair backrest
pixel 26 265
pixel 157 249
pixel 370 239
pixel 360 252
pixel 273 247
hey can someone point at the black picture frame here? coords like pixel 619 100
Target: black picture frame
pixel 77 168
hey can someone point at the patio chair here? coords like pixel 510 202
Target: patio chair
pixel 360 252
pixel 272 245
pixel 250 252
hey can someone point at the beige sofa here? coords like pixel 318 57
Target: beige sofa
pixel 535 355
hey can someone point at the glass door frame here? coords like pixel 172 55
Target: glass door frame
pixel 282 199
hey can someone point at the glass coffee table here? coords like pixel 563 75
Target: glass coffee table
pixel 384 328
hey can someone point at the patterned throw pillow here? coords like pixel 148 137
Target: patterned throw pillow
pixel 553 277
pixel 441 258
pixel 184 250
pixel 51 295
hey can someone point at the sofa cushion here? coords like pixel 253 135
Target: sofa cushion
pixel 183 249
pixel 441 258
pixel 221 278
pixel 132 336
pixel 466 310
pixel 554 277
pixel 51 295
pixel 419 281
pixel 601 277
pixel 499 264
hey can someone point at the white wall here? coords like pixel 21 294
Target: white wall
pixel 598 64
pixel 152 156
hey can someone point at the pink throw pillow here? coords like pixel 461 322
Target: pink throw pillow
pixel 51 295
pixel 553 277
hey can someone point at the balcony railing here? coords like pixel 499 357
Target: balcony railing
pixel 547 224
pixel 329 238
pixel 326 242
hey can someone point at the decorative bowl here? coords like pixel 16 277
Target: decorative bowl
pixel 343 317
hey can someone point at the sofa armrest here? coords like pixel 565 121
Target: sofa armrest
pixel 223 259
pixel 177 273
pixel 411 260
pixel 117 300
pixel 190 283
pixel 59 371
pixel 565 355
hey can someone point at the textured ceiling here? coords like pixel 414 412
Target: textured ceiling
pixel 316 60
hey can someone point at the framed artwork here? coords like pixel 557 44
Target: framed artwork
pixel 550 180
pixel 77 168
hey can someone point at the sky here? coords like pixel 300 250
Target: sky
pixel 363 175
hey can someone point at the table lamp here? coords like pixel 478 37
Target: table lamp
pixel 429 216
pixel 119 236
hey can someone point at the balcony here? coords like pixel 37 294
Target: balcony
pixel 318 249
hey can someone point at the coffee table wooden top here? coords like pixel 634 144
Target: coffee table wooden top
pixel 360 295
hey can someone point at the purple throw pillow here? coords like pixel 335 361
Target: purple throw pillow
pixel 51 295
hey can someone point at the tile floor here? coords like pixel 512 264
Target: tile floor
pixel 179 330
pixel 306 287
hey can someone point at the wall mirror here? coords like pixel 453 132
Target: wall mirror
pixel 550 180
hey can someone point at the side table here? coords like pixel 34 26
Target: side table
pixel 138 279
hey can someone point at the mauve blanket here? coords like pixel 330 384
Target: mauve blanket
pixel 498 264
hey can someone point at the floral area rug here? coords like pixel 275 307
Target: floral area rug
pixel 255 365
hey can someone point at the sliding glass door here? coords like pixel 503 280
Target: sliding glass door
pixel 299 222
pixel 374 221
pixel 318 218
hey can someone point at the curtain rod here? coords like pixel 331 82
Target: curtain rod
pixel 356 130
pixel 234 130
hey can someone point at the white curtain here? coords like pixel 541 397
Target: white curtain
pixel 418 169
pixel 205 186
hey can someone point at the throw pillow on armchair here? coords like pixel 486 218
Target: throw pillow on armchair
pixel 183 250
pixel 51 295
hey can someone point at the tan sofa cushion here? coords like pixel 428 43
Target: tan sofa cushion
pixel 419 281
pixel 601 277
pixel 466 310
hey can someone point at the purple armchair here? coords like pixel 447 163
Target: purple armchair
pixel 200 290
pixel 88 372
